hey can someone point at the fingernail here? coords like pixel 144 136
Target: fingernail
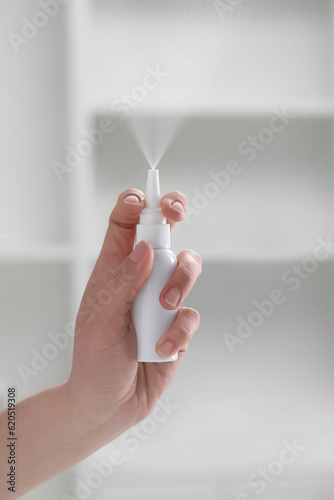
pixel 132 199
pixel 139 252
pixel 177 205
pixel 173 296
pixel 167 348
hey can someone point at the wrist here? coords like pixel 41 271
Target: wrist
pixel 91 420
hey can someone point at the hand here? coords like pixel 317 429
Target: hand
pixel 106 378
pixel 108 390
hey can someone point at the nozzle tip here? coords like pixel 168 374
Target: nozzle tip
pixel 153 189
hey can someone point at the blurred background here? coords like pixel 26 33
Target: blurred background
pixel 239 94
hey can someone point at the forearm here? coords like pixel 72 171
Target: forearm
pixel 53 434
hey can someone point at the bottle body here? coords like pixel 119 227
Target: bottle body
pixel 149 318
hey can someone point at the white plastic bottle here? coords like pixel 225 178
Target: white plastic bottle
pixel 149 318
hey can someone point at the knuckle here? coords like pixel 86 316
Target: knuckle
pixel 188 273
pixel 195 259
pixel 112 217
pixel 185 332
pixel 193 316
pixel 198 259
pixel 179 195
pixel 192 260
pixel 183 350
pixel 188 323
pixel 115 220
pixel 117 281
pixel 176 195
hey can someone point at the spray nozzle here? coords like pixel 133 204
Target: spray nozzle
pixel 153 225
pixel 152 214
pixel 153 189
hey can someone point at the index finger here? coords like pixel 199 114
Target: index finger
pixel 121 232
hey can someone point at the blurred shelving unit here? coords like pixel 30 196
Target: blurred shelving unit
pixel 36 246
pixel 287 63
pixel 277 56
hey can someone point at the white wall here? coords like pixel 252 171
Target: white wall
pixel 33 123
pixel 33 205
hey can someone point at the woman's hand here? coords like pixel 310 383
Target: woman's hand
pixel 106 380
pixel 108 390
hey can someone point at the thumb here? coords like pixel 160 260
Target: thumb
pixel 126 280
pixel 109 294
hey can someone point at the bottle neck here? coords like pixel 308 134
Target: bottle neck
pixel 153 228
pixel 152 216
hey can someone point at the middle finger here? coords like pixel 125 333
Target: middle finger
pixel 189 267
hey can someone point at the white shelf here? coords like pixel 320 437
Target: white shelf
pixel 47 253
pixel 312 108
pixel 237 255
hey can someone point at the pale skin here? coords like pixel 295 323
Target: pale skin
pixel 108 390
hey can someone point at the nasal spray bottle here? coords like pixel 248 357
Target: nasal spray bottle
pixel 149 318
